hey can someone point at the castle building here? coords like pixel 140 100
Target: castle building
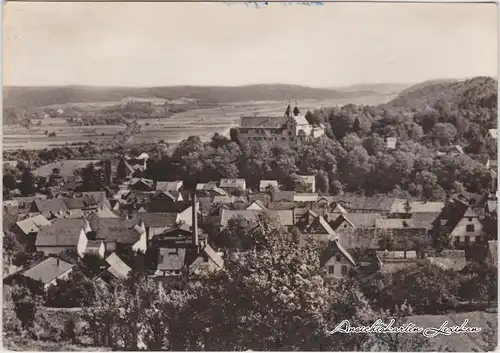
pixel 292 126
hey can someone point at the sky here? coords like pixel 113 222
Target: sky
pixel 167 44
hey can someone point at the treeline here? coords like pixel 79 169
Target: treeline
pixel 353 164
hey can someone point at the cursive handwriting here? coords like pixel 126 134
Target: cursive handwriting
pixel 380 327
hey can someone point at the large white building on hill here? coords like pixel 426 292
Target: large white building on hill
pixel 292 126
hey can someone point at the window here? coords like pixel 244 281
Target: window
pixel 467 238
pixel 345 225
pixel 344 269
pixel 289 133
pixel 205 258
pixel 478 239
pixel 469 227
pixel 337 258
pixel 330 269
pixel 470 219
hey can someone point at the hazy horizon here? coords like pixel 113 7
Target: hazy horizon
pixel 147 45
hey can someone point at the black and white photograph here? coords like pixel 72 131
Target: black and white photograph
pixel 250 176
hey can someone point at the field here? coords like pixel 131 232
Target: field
pixel 66 168
pixel 201 122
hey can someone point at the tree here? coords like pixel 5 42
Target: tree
pixel 9 181
pixel 407 206
pixel 24 306
pixel 399 341
pixel 444 133
pixel 27 186
pixel 92 178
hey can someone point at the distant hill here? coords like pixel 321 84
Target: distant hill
pixel 26 97
pixel 375 88
pixel 478 91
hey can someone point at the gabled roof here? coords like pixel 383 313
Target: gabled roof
pixel 99 196
pixel 493 133
pixel 365 203
pixel 265 183
pixel 171 259
pixel 305 197
pixel 285 217
pixel 232 183
pixel 48 270
pixel 283 196
pixel 393 223
pixel 115 229
pixel 262 122
pixel 105 214
pixel 169 185
pixel 229 199
pixel 308 179
pixel 398 206
pixel 469 213
pixel 258 204
pixel 156 219
pixel 33 224
pixel 117 268
pixel 62 232
pixel 52 205
pixel 362 238
pixel 359 220
pixel 332 249
pixel 80 203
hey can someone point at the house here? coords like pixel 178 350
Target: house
pixel 363 204
pixel 48 208
pixel 101 198
pixel 27 229
pixel 316 226
pixel 390 142
pixel 309 181
pixel 209 189
pixel 449 259
pixel 284 217
pixel 264 185
pixel 142 184
pixel 117 268
pixel 460 223
pixel 227 200
pixel 341 221
pixel 47 272
pixel 402 207
pixel 133 167
pixel 394 223
pixel 359 238
pixel 292 126
pixel 85 204
pixel 184 249
pixel 155 222
pixel 61 235
pixel 280 196
pixel 169 185
pixel 336 260
pixel 257 205
pixel 393 261
pixel 492 164
pixel 492 134
pixel 305 198
pixel 493 252
pixel 231 185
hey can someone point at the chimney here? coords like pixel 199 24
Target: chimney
pixel 57 262
pixel 194 222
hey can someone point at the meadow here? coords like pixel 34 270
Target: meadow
pixel 202 122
